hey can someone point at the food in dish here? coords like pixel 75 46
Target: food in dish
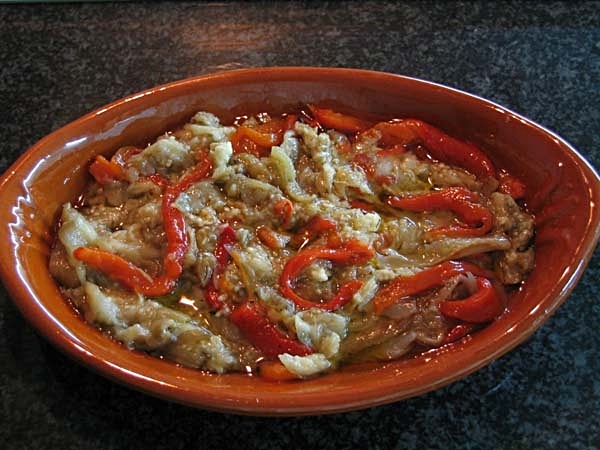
pixel 293 244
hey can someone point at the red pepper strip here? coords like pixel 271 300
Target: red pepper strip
pixel 174 221
pixel 201 171
pixel 261 138
pixel 226 238
pixel 258 140
pixel 461 201
pixel 268 237
pixel 361 204
pixel 453 151
pixel 175 233
pixel 118 268
pixel 424 280
pixel 242 144
pixel 354 252
pixel 264 334
pixel 441 146
pixel 396 133
pixel 315 226
pixel 482 306
pixel 123 271
pixel 105 171
pixel 345 123
pixel 221 253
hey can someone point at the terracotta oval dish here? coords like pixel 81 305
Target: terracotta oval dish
pixel 563 193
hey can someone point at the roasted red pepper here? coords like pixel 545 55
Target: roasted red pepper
pixel 283 210
pixel 105 171
pixel 200 171
pixel 361 204
pixel 226 238
pixel 345 123
pixel 249 140
pixel 255 326
pixel 312 229
pixel 174 221
pixel 259 139
pixel 424 280
pixel 441 146
pixel 463 202
pixel 131 276
pixel 175 233
pixel 482 306
pixel 269 238
pixel 116 267
pixel 353 252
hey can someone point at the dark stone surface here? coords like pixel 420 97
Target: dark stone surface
pixel 541 59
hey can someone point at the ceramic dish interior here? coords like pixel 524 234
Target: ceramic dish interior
pixel 563 192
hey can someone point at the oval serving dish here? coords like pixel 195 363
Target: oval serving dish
pixel 563 193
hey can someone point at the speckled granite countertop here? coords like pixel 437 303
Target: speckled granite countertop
pixel 541 59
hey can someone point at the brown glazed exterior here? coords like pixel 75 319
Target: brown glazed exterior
pixel 563 193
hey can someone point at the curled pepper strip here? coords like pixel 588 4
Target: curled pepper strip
pixel 345 123
pixel 354 252
pixel 222 257
pixel 176 235
pixel 174 220
pixel 463 202
pixel 480 307
pixel 424 280
pixel 133 277
pixel 255 326
pixel 441 146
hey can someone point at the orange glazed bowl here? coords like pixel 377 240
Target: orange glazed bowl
pixel 563 192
